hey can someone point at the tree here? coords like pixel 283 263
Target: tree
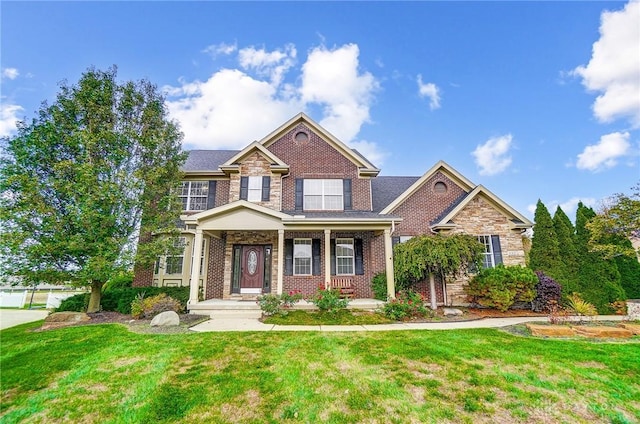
pixel 545 250
pixel 427 256
pixel 566 271
pixel 599 279
pixel 75 181
pixel 620 215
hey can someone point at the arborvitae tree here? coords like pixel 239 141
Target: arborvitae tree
pixel 545 251
pixel 599 279
pixel 628 266
pixel 568 266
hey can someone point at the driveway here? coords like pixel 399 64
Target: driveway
pixel 13 317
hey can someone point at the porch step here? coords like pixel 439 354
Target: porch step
pixel 241 313
pixel 218 308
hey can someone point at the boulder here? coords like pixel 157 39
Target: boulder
pixel 61 319
pixel 634 328
pixel 603 332
pixel 550 330
pixel 451 312
pixel 166 319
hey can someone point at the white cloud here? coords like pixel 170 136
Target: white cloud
pixel 331 78
pixel 370 151
pixel 597 157
pixel 431 91
pixel 217 49
pixel 614 68
pixel 8 118
pixel 492 157
pixel 268 64
pixel 10 73
pixel 236 106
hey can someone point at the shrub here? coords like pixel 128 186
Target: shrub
pixel 275 304
pixel 120 299
pixel 581 307
pixel 120 281
pixel 407 304
pixel 379 286
pixel 328 300
pixel 149 307
pixel 502 286
pixel 548 293
pixel 75 303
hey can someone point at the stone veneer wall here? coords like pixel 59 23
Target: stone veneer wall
pixel 257 165
pixel 480 217
pixel 215 268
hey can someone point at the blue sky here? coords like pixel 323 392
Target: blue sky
pixel 531 99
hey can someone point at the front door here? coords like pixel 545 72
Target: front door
pixel 252 269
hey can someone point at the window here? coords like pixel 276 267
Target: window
pixel 405 238
pixel 439 188
pixel 323 194
pixel 172 263
pixel 344 256
pixel 302 256
pixel 254 193
pixel 492 255
pixel 194 195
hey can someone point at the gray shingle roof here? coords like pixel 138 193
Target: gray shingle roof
pixel 385 190
pixel 207 160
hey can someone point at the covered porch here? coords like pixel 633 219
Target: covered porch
pixel 255 252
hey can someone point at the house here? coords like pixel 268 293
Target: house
pixel 299 209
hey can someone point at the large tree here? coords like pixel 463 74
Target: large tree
pixel 566 271
pixel 426 256
pixel 75 181
pixel 619 216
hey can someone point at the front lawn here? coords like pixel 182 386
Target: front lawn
pixel 106 374
pixel 340 317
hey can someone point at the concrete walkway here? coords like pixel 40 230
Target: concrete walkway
pixel 13 317
pixel 251 324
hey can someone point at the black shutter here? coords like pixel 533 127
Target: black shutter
pixel 346 192
pixel 288 257
pixel 266 188
pixel 244 188
pixel 497 250
pixel 299 193
pixel 357 245
pixel 394 241
pixel 316 265
pixel 332 248
pixel 211 196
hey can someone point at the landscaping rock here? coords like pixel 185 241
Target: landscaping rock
pixel 166 319
pixel 551 330
pixel 62 319
pixel 451 312
pixel 634 328
pixel 633 309
pixel 603 332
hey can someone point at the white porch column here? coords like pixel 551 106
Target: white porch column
pixel 194 281
pixel 327 259
pixel 432 291
pixel 280 261
pixel 388 259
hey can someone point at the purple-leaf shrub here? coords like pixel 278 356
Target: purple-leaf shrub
pixel 548 293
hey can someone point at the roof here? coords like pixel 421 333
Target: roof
pixel 385 190
pixel 207 160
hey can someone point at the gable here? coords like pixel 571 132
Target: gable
pixel 255 150
pixel 239 215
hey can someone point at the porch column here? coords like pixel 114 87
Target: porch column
pixel 194 281
pixel 388 261
pixel 280 261
pixel 327 259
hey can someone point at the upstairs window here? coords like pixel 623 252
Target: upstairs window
pixel 324 195
pixel 255 188
pixel 194 195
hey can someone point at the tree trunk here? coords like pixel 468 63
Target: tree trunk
pixel 96 295
pixel 432 291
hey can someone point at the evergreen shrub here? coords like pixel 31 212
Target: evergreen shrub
pixel 502 286
pixel 548 293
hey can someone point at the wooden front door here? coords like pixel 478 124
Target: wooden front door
pixel 252 269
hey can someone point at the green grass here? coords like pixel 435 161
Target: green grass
pixel 106 374
pixel 340 317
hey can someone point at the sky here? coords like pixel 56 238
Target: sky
pixel 533 100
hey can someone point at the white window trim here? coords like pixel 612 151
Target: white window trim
pixel 310 244
pixel 489 254
pixel 191 196
pixel 353 257
pixel 323 194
